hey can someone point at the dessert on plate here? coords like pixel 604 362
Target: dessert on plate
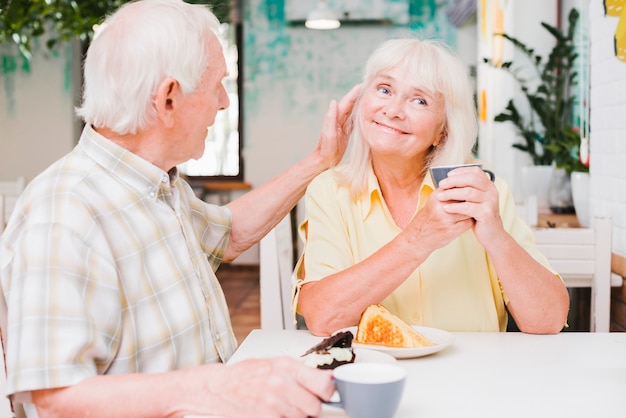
pixel 331 352
pixel 378 326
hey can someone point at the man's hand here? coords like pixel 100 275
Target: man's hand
pixel 337 128
pixel 278 387
pixel 265 388
pixel 274 199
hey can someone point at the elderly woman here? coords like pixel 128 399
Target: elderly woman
pixel 454 257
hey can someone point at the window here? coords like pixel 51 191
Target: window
pixel 222 155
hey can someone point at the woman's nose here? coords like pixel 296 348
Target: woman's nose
pixel 394 108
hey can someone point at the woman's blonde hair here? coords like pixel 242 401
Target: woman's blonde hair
pixel 433 67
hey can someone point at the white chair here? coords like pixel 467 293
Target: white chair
pixel 6 411
pixel 528 210
pixel 276 277
pixel 3 221
pixel 13 186
pixel 9 192
pixel 5 406
pixel 582 256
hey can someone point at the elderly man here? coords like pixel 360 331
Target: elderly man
pixel 112 304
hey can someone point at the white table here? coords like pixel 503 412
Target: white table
pixel 495 374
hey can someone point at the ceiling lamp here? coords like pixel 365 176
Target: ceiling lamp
pixel 322 17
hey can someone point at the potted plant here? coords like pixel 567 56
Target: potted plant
pixel 549 133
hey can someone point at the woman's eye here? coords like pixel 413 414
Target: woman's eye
pixel 420 101
pixel 383 90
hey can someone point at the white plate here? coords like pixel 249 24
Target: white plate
pixel 364 355
pixel 442 339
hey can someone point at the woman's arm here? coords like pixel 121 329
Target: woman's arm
pixel 538 299
pixel 346 289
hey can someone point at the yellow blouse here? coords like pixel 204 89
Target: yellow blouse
pixel 455 289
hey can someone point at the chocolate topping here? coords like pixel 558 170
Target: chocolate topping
pixel 332 351
pixel 341 339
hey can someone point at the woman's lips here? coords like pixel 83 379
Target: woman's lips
pixel 389 128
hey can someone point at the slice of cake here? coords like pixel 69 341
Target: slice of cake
pixel 380 327
pixel 331 352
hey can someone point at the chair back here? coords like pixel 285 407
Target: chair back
pixel 276 277
pixel 3 221
pixel 6 409
pixel 5 406
pixel 9 192
pixel 582 256
pixel 14 187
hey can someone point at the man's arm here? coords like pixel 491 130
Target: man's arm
pixel 262 387
pixel 257 212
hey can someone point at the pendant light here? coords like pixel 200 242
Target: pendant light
pixel 322 18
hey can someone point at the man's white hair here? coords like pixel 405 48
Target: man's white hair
pixel 133 51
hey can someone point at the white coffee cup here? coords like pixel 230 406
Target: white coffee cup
pixel 441 172
pixel 369 390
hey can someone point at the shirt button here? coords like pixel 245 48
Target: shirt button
pixel 217 337
pixel 165 178
pixel 152 193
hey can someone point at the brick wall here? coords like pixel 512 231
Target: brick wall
pixel 608 140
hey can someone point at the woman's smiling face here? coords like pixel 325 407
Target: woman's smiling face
pixel 399 117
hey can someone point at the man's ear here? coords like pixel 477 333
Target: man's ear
pixel 166 101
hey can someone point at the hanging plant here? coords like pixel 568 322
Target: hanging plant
pixel 21 21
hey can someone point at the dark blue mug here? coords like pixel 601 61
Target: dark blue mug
pixel 441 172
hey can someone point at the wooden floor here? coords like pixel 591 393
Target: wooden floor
pixel 241 289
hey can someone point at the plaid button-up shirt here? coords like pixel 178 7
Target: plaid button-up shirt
pixel 107 267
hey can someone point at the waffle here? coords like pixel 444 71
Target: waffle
pixel 378 326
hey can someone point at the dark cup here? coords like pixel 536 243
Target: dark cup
pixel 441 172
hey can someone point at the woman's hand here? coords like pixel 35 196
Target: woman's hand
pixel 468 192
pixel 435 226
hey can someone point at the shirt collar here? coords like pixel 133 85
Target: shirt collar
pixel 376 196
pixel 141 175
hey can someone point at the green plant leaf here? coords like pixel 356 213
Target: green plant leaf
pixel 547 135
pixel 23 20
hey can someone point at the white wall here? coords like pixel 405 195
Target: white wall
pixel 37 125
pixel 608 126
pixel 40 127
pixel 292 73
pixel 522 20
